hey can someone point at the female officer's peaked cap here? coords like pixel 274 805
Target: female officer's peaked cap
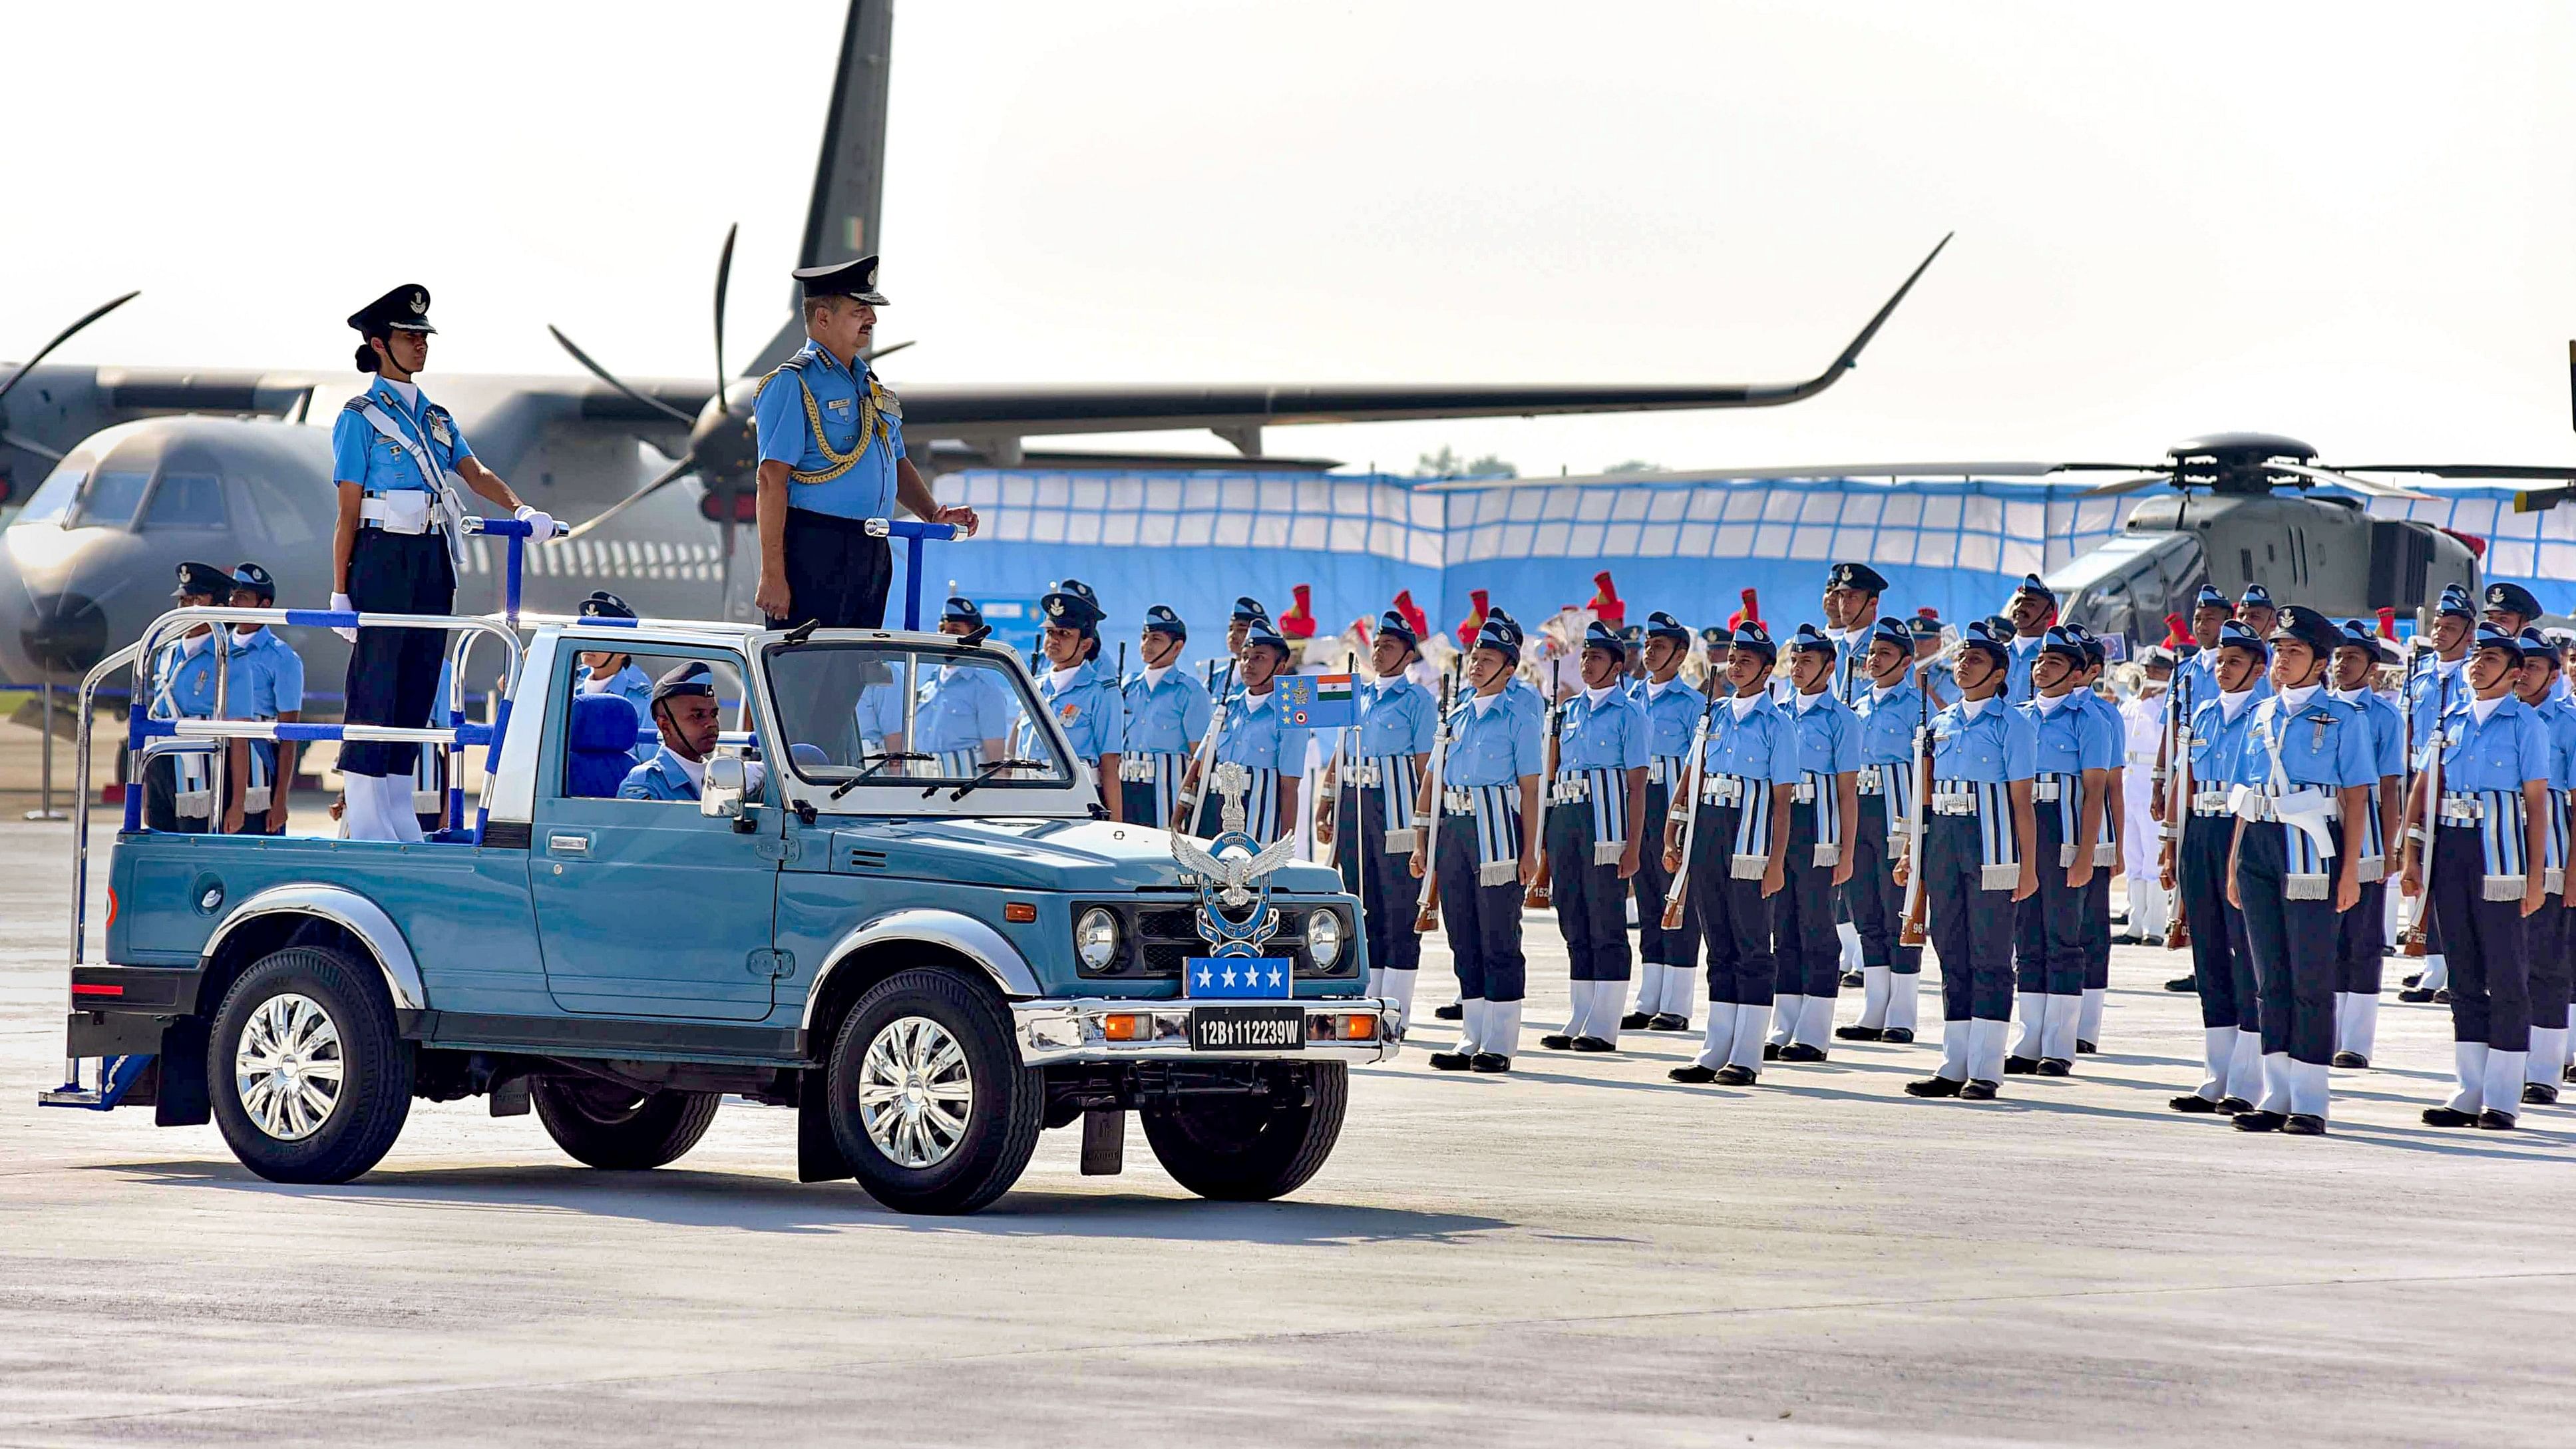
pixel 404 309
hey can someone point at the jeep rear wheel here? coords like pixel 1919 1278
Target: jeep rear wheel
pixel 1250 1149
pixel 619 1128
pixel 929 1101
pixel 308 1079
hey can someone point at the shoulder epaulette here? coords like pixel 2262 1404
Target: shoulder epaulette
pixel 357 404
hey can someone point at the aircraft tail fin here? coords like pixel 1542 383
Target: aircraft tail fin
pixel 849 178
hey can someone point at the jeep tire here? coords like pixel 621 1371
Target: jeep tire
pixel 928 1099
pixel 1249 1149
pixel 308 1080
pixel 619 1128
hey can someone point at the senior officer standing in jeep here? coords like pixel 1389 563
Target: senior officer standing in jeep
pixel 395 549
pixel 830 439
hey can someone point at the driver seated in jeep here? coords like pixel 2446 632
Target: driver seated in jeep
pixel 686 714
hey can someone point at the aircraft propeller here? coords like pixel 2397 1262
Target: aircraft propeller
pixel 18 440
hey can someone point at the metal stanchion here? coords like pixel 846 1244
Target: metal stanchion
pixel 46 810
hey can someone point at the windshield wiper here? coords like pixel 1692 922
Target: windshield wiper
pixel 881 761
pixel 985 773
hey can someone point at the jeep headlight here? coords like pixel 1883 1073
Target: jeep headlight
pixel 1095 938
pixel 1324 938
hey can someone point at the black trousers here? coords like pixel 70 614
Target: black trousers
pixel 837 572
pixel 1389 895
pixel 2097 928
pixel 2550 936
pixel 2048 929
pixel 1680 945
pixel 1483 921
pixel 2294 945
pixel 2485 943
pixel 1877 902
pixel 2222 967
pixel 1971 927
pixel 1733 916
pixel 1591 901
pixel 161 799
pixel 1807 952
pixel 2361 941
pixel 393 673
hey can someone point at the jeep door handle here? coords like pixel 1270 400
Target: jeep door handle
pixel 568 842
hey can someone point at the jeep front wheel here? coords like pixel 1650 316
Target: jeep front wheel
pixel 308 1079
pixel 618 1128
pixel 929 1101
pixel 1249 1149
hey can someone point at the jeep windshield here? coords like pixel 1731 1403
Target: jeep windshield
pixel 865 716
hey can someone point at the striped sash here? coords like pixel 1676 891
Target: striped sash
pixel 2372 866
pixel 1161 769
pixel 2303 864
pixel 192 781
pixel 1896 780
pixel 1752 853
pixel 1260 805
pixel 1829 818
pixel 1607 788
pixel 429 781
pixel 2554 864
pixel 961 764
pixel 1395 777
pixel 257 779
pixel 1665 770
pixel 1497 812
pixel 2502 843
pixel 1998 853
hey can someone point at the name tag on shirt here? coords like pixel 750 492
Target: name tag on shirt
pixel 839 407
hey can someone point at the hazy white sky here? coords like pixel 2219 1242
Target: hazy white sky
pixel 2345 222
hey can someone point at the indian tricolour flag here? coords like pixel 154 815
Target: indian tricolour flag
pixel 1318 701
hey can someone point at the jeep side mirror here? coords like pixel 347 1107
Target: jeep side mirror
pixel 721 796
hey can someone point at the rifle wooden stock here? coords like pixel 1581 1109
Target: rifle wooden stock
pixel 1685 798
pixel 1911 931
pixel 1426 906
pixel 2410 936
pixel 2178 793
pixel 1539 898
pixel 1185 811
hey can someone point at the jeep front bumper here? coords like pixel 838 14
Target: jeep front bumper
pixel 1055 1031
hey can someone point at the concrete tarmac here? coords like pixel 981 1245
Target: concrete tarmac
pixel 1579 1252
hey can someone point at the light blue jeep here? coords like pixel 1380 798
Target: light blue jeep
pixel 929 947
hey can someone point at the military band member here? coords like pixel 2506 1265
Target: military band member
pixel 1488 843
pixel 1980 856
pixel 2494 803
pixel 1889 711
pixel 1851 608
pixel 2108 844
pixel 266 682
pixel 178 776
pixel 2196 867
pixel 1807 958
pixel 2362 938
pixel 396 548
pixel 2304 769
pixel 1378 788
pixel 2074 752
pixel 1739 848
pixel 964 712
pixel 2433 686
pixel 2142 720
pixel 2551 941
pixel 830 438
pixel 1257 737
pixel 2032 611
pixel 1167 712
pixel 1668 961
pixel 1595 806
pixel 1080 691
pixel 608 672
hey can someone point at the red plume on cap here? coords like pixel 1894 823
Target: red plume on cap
pixel 1413 615
pixel 1475 619
pixel 1299 621
pixel 2177 631
pixel 1606 605
pixel 1751 613
pixel 2388 623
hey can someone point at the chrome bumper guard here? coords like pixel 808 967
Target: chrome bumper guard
pixel 1054 1031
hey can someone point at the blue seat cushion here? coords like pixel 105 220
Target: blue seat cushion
pixel 602 746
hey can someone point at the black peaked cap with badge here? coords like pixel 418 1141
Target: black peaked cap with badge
pixel 1071 606
pixel 691 678
pixel 1247 609
pixel 1807 638
pixel 2513 599
pixel 1660 625
pixel 1982 635
pixel 1499 632
pixel 1599 635
pixel 960 610
pixel 202 578
pixel 604 605
pixel 1392 624
pixel 1859 576
pixel 855 279
pixel 247 575
pixel 2299 624
pixel 404 309
pixel 1164 619
pixel 1752 636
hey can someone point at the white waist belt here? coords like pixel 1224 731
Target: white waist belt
pixel 1569 790
pixel 1722 790
pixel 2208 802
pixel 396 512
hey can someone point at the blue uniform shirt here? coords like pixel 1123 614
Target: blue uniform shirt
pixel 2509 748
pixel 2217 742
pixel 1887 723
pixel 1257 738
pixel 1828 735
pixel 1997 747
pixel 2323 743
pixel 786 433
pixel 880 712
pixel 186 680
pixel 2387 738
pixel 1496 745
pixel 2432 689
pixel 1672 716
pixel 1089 708
pixel 362 455
pixel 1164 718
pixel 962 705
pixel 1607 735
pixel 266 677
pixel 1397 717
pixel 2071 739
pixel 2017 686
pixel 2558 718
pixel 1760 745
pixel 662 777
pixel 635 687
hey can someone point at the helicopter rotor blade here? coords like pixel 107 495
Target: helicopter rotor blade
pixel 724 275
pixel 21 440
pixel 60 338
pixel 890 349
pixel 2468 470
pixel 2118 486
pixel 2363 486
pixel 668 476
pixel 604 375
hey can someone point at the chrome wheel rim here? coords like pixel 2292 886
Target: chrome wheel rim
pixel 914 1092
pixel 288 1067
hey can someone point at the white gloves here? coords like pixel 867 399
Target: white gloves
pixel 541 524
pixel 340 605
